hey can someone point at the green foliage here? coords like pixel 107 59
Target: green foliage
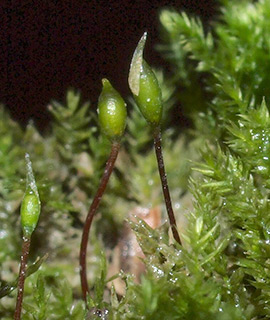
pixel 229 61
pixel 52 298
pixel 71 124
pixel 7 288
pixel 227 231
pixel 10 160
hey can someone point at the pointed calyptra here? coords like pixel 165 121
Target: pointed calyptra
pixel 144 86
pixel 30 207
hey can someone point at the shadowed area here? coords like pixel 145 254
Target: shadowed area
pixel 49 46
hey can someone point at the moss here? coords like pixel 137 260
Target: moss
pixel 219 76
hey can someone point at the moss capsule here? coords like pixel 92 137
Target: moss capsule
pixel 112 112
pixel 149 98
pixel 144 86
pixel 30 207
pixel 30 210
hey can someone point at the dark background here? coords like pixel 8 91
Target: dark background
pixel 48 46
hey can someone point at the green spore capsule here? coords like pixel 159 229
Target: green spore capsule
pixel 144 86
pixel 30 207
pixel 112 112
pixel 149 98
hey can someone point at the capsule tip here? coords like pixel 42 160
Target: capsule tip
pixel 136 65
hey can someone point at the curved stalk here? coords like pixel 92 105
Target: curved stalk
pixel 24 258
pixel 164 182
pixel 93 208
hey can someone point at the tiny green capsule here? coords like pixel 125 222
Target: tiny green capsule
pixel 30 207
pixel 149 99
pixel 144 86
pixel 30 210
pixel 112 112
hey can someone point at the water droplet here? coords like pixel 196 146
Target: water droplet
pixel 177 205
pixel 3 234
pixel 262 168
pixel 158 272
